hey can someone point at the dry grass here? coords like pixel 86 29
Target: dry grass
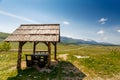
pixel 101 64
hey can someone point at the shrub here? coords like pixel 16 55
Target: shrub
pixel 5 46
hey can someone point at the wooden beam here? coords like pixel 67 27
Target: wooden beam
pixel 20 54
pixel 34 47
pixel 55 53
pixel 55 50
pixel 49 54
pixel 53 43
pixel 59 35
pixel 46 43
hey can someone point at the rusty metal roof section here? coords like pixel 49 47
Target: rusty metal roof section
pixel 36 32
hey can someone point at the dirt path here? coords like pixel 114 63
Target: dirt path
pixel 63 56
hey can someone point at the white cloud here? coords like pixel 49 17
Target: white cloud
pixel 102 20
pixel 105 38
pixel 17 17
pixel 100 32
pixel 66 22
pixel 118 30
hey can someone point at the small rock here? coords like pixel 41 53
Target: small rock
pixel 20 75
pixel 35 76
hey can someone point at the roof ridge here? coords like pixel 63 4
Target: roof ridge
pixel 39 24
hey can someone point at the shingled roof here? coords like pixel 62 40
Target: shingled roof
pixel 36 32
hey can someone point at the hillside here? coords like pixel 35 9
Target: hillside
pixel 3 35
pixel 66 40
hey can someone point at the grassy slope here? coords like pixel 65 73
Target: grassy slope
pixel 103 62
pixel 3 35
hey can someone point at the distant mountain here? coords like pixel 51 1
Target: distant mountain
pixel 66 40
pixel 81 41
pixel 76 41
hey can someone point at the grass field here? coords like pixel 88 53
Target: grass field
pixel 76 62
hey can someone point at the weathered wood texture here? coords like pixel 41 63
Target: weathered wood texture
pixel 49 54
pixel 55 53
pixel 36 32
pixel 20 54
pixel 55 50
pixel 34 47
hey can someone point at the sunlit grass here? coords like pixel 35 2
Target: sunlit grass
pixel 102 61
pixel 104 64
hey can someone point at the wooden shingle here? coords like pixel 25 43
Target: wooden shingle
pixel 36 32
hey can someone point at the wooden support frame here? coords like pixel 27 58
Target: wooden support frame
pixel 55 50
pixel 20 54
pixel 26 36
pixel 49 54
pixel 34 47
pixel 46 43
pixel 55 54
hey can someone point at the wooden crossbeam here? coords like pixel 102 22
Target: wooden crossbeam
pixel 46 43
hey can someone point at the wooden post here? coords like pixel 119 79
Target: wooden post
pixel 49 54
pixel 34 48
pixel 20 54
pixel 55 49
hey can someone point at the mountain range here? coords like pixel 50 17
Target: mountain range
pixel 66 40
pixel 81 41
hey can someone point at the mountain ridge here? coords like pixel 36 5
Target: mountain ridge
pixel 81 41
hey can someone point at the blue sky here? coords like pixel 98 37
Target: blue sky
pixel 82 19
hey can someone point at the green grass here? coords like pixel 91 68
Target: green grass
pixel 104 64
pixel 103 61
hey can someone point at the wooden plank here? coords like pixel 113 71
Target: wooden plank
pixel 41 52
pixel 36 32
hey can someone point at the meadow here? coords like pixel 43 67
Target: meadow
pixel 75 62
